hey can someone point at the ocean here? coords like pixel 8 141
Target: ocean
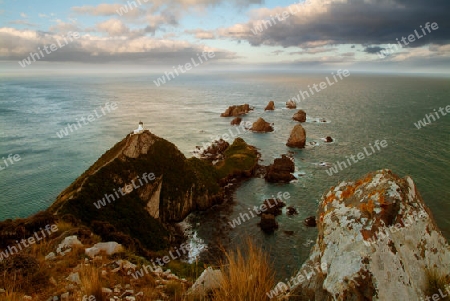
pixel 358 110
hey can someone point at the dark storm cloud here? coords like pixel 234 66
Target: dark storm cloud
pixel 352 22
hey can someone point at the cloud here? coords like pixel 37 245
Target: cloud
pixel 373 49
pixel 22 22
pixel 94 49
pixel 313 51
pixel 23 15
pixel 113 27
pixel 277 52
pixel 201 34
pixel 337 22
pixel 108 10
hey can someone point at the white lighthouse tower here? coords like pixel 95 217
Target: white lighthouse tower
pixel 140 128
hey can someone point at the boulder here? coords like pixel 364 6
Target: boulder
pixel 236 121
pixel 290 104
pixel 234 111
pixel 268 223
pixel 310 221
pixel 281 170
pixel 110 248
pixel 261 126
pixel 300 116
pixel 270 106
pixel 377 240
pixel 208 281
pixel 297 137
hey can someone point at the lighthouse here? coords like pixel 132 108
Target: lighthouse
pixel 140 128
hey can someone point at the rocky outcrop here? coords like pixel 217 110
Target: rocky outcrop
pixel 215 151
pixel 281 170
pixel 261 126
pixel 236 121
pixel 297 137
pixel 270 106
pixel 377 240
pixel 300 116
pixel 290 104
pixel 234 111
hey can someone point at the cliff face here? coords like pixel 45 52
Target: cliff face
pixel 142 178
pixel 377 241
pixel 145 182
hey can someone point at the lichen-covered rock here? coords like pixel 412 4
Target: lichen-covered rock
pixel 300 116
pixel 270 106
pixel 297 137
pixel 261 126
pixel 378 240
pixel 234 111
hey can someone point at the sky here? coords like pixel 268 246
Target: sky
pixel 367 35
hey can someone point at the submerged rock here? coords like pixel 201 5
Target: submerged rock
pixel 300 116
pixel 261 126
pixel 377 241
pixel 270 106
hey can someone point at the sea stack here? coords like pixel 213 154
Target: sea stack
pixel 297 137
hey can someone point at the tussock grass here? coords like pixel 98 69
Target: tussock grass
pixel 247 275
pixel 91 282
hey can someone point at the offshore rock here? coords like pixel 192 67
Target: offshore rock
pixel 270 106
pixel 378 241
pixel 300 116
pixel 281 170
pixel 291 104
pixel 236 121
pixel 234 111
pixel 297 137
pixel 261 126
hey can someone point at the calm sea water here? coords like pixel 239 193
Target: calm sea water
pixel 359 109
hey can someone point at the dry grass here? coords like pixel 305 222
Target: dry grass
pixel 91 283
pixel 247 275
